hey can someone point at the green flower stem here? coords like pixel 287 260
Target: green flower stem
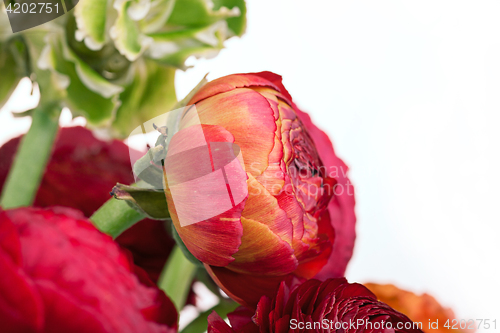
pixel 199 325
pixel 32 157
pixel 176 277
pixel 115 216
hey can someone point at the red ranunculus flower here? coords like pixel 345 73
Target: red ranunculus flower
pixel 80 174
pixel 314 306
pixel 292 204
pixel 60 274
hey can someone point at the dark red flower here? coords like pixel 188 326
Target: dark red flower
pixel 314 306
pixel 80 174
pixel 60 274
pixel 150 245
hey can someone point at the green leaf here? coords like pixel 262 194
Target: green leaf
pixel 195 13
pixel 83 90
pixel 14 63
pixel 91 18
pixel 175 46
pixel 151 202
pixel 10 74
pixel 157 16
pixel 147 172
pixel 150 94
pixel 236 24
pixel 5 28
pixel 125 32
pixel 199 28
pixel 178 59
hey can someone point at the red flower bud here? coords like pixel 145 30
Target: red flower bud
pixel 291 207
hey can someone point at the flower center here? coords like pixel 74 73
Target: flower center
pixel 309 177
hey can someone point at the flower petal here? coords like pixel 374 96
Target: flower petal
pixel 262 252
pixel 249 118
pixel 262 207
pixel 228 83
pixel 21 307
pixel 217 325
pixel 341 207
pixel 211 232
pixel 243 288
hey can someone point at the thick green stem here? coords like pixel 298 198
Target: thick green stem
pixel 115 216
pixel 177 277
pixel 199 325
pixel 31 159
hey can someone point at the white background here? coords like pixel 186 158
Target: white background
pixel 410 94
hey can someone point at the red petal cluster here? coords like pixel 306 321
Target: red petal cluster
pixel 81 172
pixel 314 306
pixel 60 274
pixel 80 175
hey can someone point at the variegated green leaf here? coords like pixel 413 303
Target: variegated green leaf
pixel 174 47
pixel 86 93
pixel 195 13
pixel 236 24
pixel 126 34
pixel 92 17
pixel 157 16
pixel 151 93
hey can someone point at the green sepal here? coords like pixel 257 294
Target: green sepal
pixel 151 202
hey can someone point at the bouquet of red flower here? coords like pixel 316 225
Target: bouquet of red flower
pixel 239 192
